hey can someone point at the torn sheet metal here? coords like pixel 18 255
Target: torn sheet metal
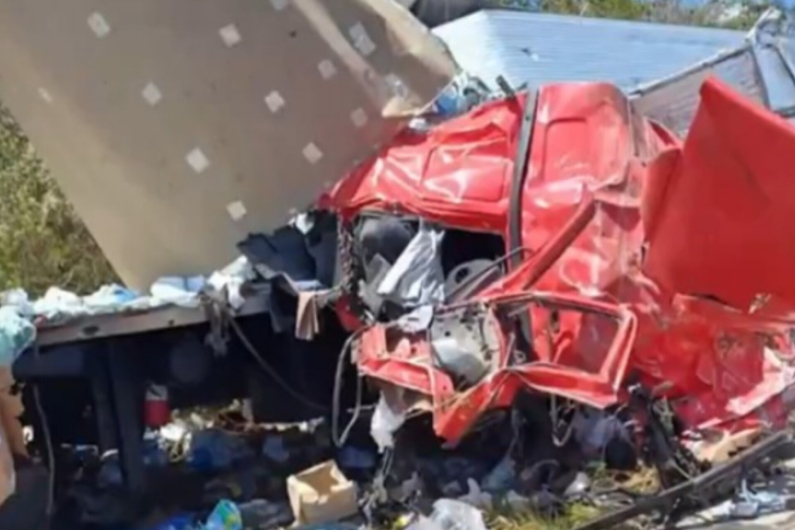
pixel 673 100
pixel 761 68
pixel 459 173
pixel 600 290
pixel 176 152
pixel 466 183
pixel 729 194
pixel 407 361
pixel 773 38
pixel 729 370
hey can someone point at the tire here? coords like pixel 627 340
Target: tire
pixel 26 508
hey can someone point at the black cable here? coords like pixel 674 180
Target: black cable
pixel 270 371
pixel 335 409
pixel 339 440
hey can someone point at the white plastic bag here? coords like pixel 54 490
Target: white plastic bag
pixel 417 278
pixel 450 514
pixel 384 424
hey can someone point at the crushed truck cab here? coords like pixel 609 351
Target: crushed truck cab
pixel 569 180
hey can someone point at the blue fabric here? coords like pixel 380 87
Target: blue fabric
pixel 16 334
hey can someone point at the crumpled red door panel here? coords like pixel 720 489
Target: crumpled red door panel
pixel 582 139
pixel 721 222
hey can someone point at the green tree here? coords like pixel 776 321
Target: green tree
pixel 42 240
pixel 708 13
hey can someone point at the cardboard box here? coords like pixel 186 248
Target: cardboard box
pixel 321 494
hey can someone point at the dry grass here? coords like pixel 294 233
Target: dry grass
pixel 575 515
pixel 643 481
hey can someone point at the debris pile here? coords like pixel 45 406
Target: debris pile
pixel 556 245
pixel 552 303
pixel 543 322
